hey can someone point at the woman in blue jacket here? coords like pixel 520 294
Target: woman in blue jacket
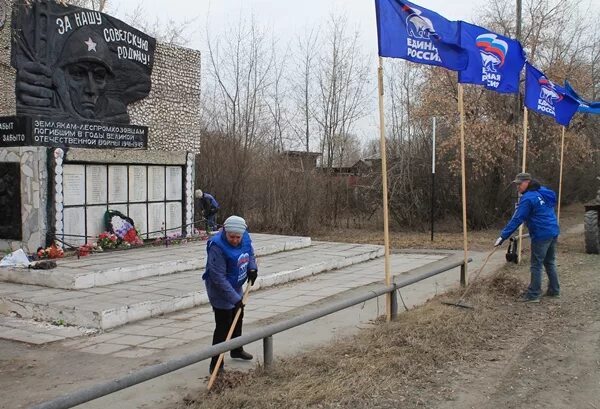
pixel 536 210
pixel 229 264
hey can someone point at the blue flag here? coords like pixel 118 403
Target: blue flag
pixel 495 61
pixel 416 34
pixel 545 97
pixel 587 107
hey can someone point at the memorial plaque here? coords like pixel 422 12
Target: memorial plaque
pixel 73 185
pixel 174 218
pixel 119 208
pixel 137 184
pixel 13 130
pixel 10 201
pixel 156 219
pixel 96 186
pixel 95 221
pixel 117 184
pixel 174 182
pixel 156 183
pixel 74 225
pixel 138 214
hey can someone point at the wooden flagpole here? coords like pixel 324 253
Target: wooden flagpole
pixel 386 234
pixel 560 180
pixel 524 167
pixel 461 107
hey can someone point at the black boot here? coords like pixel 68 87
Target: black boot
pixel 241 354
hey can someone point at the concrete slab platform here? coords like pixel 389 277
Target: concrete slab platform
pixel 103 269
pixel 157 295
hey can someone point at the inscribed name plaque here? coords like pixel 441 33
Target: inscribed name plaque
pixel 119 208
pixel 73 185
pixel 74 225
pixel 156 183
pixel 117 184
pixel 95 221
pixel 138 214
pixel 137 184
pixel 174 218
pixel 174 182
pixel 96 187
pixel 156 219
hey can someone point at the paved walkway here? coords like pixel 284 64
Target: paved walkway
pixel 149 336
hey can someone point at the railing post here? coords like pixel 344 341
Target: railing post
pixel 463 275
pixel 394 302
pixel 268 352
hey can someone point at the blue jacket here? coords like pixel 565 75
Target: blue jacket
pixel 226 269
pixel 536 209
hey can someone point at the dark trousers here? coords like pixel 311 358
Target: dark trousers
pixel 223 320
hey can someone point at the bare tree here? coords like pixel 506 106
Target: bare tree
pixel 277 100
pixel 342 81
pixel 167 32
pixel 240 73
pixel 308 51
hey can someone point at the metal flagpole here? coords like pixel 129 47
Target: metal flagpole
pixel 461 107
pixel 432 177
pixel 386 234
pixel 525 125
pixel 560 180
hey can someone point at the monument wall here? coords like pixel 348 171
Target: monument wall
pixel 28 195
pixel 172 109
pixel 7 73
pixel 148 109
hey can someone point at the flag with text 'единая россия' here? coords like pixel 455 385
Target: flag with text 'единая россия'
pixel 416 34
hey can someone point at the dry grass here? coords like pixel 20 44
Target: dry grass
pixel 478 240
pixel 451 238
pixel 377 367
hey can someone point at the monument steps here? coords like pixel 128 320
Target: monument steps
pixel 117 304
pixel 124 266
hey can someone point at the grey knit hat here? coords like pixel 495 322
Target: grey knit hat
pixel 235 224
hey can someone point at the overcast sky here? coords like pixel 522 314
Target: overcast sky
pixel 286 18
pixel 289 18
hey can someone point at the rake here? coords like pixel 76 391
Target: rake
pixel 460 303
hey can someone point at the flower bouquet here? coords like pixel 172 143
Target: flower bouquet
pixel 51 252
pixel 89 248
pixel 108 240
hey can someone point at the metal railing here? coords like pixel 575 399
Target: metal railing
pixel 265 333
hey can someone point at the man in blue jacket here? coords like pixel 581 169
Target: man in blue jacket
pixel 210 207
pixel 536 209
pixel 229 264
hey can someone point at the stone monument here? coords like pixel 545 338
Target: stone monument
pixel 74 137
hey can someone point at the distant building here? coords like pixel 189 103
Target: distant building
pixel 361 173
pixel 301 160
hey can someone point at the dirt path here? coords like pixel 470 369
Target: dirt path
pixel 554 362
